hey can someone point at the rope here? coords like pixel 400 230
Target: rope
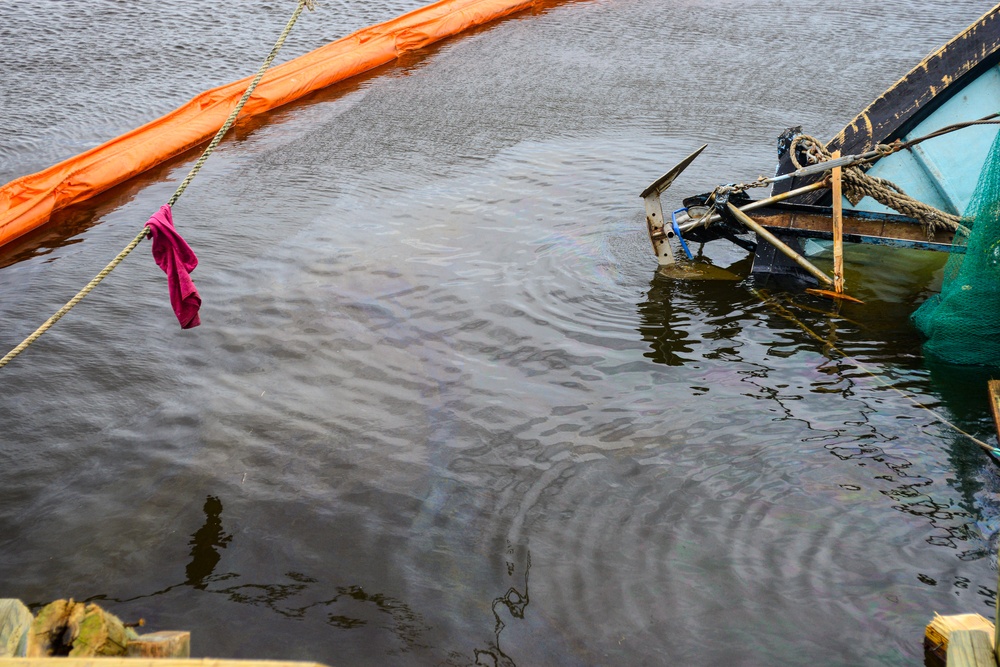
pixel 985 120
pixel 310 4
pixel 786 314
pixel 243 100
pixel 858 184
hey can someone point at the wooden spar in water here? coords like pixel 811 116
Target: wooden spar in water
pixel 994 391
pixel 778 244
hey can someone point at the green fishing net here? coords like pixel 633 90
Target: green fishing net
pixel 962 323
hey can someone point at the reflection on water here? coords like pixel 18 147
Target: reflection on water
pixel 435 341
pixel 668 318
pixel 513 602
pixel 348 607
pixel 205 545
pixel 682 313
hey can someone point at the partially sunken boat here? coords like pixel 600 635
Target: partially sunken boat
pixel 928 136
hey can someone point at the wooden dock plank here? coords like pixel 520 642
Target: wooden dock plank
pixel 164 644
pixel 970 648
pixel 15 622
pixel 150 662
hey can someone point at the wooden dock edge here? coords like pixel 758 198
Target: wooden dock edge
pixel 150 662
pixel 965 640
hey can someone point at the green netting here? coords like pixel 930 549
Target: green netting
pixel 962 323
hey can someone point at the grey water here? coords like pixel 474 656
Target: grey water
pixel 442 408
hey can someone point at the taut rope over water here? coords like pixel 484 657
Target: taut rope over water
pixel 310 4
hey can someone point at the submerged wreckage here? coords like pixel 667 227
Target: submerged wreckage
pixel 900 174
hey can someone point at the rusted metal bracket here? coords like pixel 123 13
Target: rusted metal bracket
pixel 659 233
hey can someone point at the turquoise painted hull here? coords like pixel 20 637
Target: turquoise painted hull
pixel 943 171
pixel 957 83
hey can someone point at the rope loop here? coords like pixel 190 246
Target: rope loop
pixel 858 185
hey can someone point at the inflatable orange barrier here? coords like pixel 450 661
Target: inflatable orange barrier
pixel 27 202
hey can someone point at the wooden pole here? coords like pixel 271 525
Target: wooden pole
pixel 838 228
pixel 993 388
pixel 780 245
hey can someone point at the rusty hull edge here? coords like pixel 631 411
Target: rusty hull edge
pixel 937 78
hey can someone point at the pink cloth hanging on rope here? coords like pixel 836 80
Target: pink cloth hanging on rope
pixel 177 259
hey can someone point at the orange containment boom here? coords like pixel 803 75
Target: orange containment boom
pixel 27 203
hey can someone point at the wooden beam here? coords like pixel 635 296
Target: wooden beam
pixel 970 648
pixel 165 644
pixel 149 662
pixel 937 635
pixel 15 623
pixel 994 389
pixel 783 248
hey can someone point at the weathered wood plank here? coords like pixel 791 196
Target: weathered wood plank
pixel 65 627
pixel 858 227
pixel 164 644
pixel 938 633
pixel 970 648
pixel 15 624
pixel 149 662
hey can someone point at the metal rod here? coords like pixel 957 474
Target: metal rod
pixel 780 245
pixel 715 217
pixel 820 167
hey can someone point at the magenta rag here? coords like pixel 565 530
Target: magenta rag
pixel 175 257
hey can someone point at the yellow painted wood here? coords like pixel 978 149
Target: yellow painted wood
pixel 938 632
pixel 164 644
pixel 149 662
pixel 15 624
pixel 970 648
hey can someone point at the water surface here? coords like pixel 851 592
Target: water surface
pixel 443 409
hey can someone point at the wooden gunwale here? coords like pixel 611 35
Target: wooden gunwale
pixel 859 226
pixel 936 79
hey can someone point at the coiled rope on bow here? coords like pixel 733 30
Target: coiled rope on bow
pixel 858 184
pixel 89 287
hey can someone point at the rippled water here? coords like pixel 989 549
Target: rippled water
pixel 442 408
